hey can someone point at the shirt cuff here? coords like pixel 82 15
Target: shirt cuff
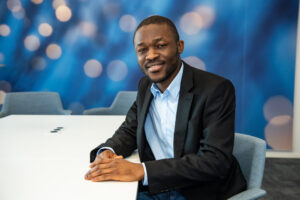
pixel 104 148
pixel 145 181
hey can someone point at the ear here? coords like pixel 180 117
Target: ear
pixel 180 46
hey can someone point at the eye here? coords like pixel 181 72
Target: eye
pixel 160 46
pixel 141 50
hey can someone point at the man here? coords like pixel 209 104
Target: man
pixel 182 124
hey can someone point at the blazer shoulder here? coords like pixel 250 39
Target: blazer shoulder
pixel 206 81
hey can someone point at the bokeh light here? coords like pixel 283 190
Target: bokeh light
pixel 195 62
pixel 278 111
pixel 1 57
pixel 20 14
pixel 117 70
pixel 280 135
pixel 93 68
pixel 57 3
pixel 38 63
pixel 111 9
pixel 32 42
pixel 37 1
pixel 14 5
pixel 88 29
pixel 207 14
pixel 5 86
pixel 280 120
pixel 191 23
pixel 4 30
pixel 127 23
pixel 53 51
pixel 2 96
pixel 277 106
pixel 63 13
pixel 45 29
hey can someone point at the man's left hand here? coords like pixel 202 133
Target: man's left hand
pixel 116 169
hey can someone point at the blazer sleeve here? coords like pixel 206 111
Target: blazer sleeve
pixel 123 142
pixel 213 159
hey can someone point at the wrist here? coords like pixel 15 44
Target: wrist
pixel 140 172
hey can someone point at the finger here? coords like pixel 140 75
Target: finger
pixel 100 173
pixel 102 161
pixel 86 176
pixel 104 177
pixel 119 157
pixel 100 166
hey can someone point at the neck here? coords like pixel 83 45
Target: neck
pixel 162 86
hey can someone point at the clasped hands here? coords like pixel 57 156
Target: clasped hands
pixel 108 166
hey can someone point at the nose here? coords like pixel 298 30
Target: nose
pixel 152 54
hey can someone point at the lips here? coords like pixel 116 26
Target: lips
pixel 154 67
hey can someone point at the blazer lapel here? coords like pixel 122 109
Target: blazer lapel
pixel 141 138
pixel 183 110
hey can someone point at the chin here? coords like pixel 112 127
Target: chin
pixel 157 79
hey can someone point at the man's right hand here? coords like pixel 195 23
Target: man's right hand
pixel 106 154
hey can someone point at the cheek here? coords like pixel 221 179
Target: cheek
pixel 140 60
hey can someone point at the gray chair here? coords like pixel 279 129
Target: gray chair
pixel 120 105
pixel 250 153
pixel 32 103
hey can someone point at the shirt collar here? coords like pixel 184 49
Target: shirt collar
pixel 173 88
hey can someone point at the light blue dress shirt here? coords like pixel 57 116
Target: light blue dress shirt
pixel 160 121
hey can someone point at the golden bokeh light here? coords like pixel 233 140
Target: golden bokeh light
pixel 14 5
pixel 57 3
pixel 88 29
pixel 63 13
pixel 2 96
pixel 32 42
pixel 191 23
pixel 92 68
pixel 20 14
pixel 4 30
pixel 37 1
pixel 45 29
pixel 53 51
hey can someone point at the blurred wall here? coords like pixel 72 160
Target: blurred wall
pixel 83 50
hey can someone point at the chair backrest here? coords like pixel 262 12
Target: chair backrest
pixel 120 106
pixel 47 103
pixel 251 154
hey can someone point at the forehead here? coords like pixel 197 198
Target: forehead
pixel 149 33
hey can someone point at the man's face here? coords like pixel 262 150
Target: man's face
pixel 158 52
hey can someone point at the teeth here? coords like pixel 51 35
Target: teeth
pixel 154 68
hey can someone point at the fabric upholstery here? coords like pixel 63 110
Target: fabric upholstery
pixel 32 103
pixel 250 153
pixel 120 105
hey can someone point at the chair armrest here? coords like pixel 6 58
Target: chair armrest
pixel 250 194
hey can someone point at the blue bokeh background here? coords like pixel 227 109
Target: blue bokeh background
pixel 250 42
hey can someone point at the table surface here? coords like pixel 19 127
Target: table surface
pixel 46 157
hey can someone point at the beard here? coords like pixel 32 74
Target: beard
pixel 171 70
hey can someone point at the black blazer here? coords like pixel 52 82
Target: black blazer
pixel 203 166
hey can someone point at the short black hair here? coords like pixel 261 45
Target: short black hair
pixel 156 19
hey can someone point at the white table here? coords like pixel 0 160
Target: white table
pixel 36 164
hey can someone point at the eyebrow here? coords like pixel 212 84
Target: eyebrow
pixel 155 40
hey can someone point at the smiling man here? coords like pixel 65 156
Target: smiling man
pixel 182 124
